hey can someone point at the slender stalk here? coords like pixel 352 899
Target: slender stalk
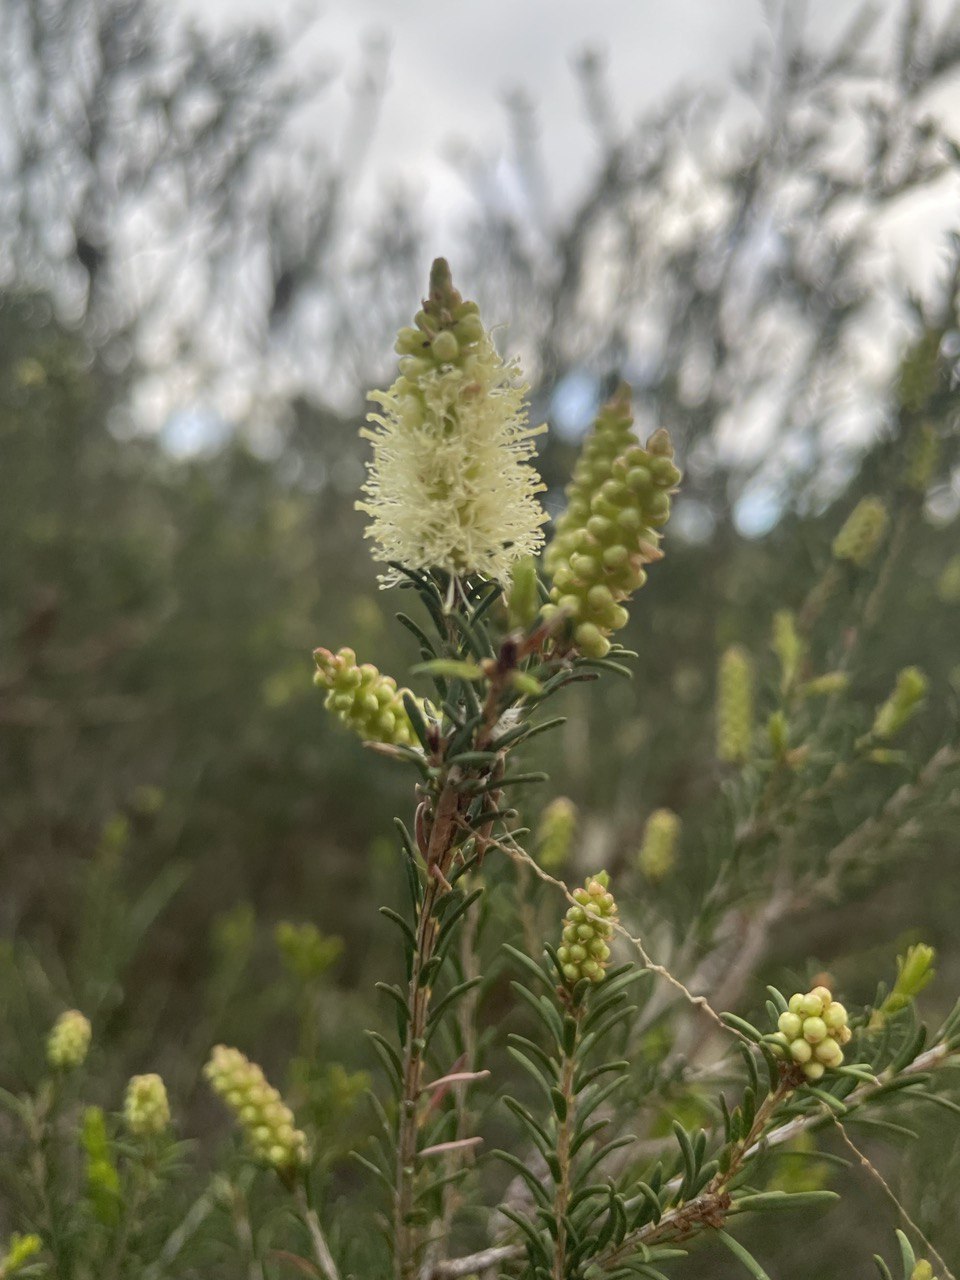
pixel 321 1249
pixel 438 855
pixel 561 1199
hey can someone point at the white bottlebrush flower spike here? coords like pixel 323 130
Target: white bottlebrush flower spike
pixel 450 484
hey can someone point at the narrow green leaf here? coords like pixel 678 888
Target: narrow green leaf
pixel 449 668
pixel 763 1201
pixel 741 1254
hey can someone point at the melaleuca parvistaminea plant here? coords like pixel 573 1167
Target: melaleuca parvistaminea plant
pixel 452 497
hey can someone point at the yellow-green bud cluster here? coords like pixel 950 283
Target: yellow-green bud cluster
pixel 829 683
pixel 788 646
pixel 146 1110
pixel 19 1251
pixel 922 457
pixel 619 496
pixel 558 822
pixel 69 1040
pixel 812 1032
pixel 361 698
pixel 922 1271
pixel 658 850
pixel 588 927
pixel 908 693
pixel 862 532
pixel 305 951
pixel 734 706
pixel 266 1120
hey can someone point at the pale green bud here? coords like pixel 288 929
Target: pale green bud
pixel 922 456
pixel 146 1110
pixel 69 1040
pixel 558 822
pixel 826 685
pixel 658 849
pixel 862 533
pixel 364 700
pixel 922 1271
pixel 594 918
pixel 788 646
pixel 617 499
pixel 903 703
pixel 734 706
pixel 305 951
pixel 813 1030
pixel 267 1122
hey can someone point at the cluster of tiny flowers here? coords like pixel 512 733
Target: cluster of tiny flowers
pixel 813 1031
pixel 587 930
pixel 146 1111
pixel 908 693
pixel 364 700
pixel 266 1120
pixel 450 485
pixel 862 532
pixel 658 849
pixel 558 823
pixel 618 497
pixel 734 706
pixel 69 1040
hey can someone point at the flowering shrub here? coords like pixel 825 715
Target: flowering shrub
pixel 598 1037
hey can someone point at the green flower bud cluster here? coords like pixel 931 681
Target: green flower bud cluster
pixel 658 850
pixel 146 1110
pixel 266 1120
pixel 443 332
pixel 361 698
pixel 69 1040
pixel 922 1271
pixel 305 951
pixel 734 706
pixel 903 703
pixel 103 1178
pixel 558 822
pixel 922 458
pixel 829 683
pixel 588 928
pixel 788 646
pixel 862 533
pixel 619 496
pixel 812 1032
pixel 19 1251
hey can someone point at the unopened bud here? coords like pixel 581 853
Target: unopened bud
pixel 658 850
pixel 734 706
pixel 69 1040
pixel 903 703
pixel 862 533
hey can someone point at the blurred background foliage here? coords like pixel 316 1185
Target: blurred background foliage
pixel 190 311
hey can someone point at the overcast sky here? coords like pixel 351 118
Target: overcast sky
pixel 451 65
